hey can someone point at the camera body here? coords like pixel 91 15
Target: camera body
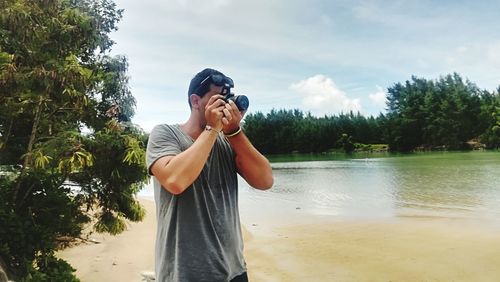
pixel 241 101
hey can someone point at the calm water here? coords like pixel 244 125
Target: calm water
pixel 428 184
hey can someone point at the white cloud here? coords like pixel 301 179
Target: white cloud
pixel 378 98
pixel 359 43
pixel 322 96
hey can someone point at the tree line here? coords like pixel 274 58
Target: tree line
pixel 446 113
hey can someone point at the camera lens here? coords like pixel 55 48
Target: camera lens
pixel 241 102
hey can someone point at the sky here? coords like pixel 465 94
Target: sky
pixel 320 56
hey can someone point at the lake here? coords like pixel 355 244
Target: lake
pixel 443 184
pixel 438 184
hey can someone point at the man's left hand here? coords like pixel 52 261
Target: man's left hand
pixel 234 116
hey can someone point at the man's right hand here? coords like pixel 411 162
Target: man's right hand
pixel 216 113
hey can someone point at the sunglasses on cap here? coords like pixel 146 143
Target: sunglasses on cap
pixel 217 80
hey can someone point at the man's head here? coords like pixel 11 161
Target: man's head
pixel 200 84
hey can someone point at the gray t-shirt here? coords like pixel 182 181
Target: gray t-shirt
pixel 198 234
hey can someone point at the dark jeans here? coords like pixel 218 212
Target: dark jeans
pixel 240 278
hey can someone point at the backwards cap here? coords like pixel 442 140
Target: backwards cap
pixel 198 78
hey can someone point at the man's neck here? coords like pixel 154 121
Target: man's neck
pixel 192 127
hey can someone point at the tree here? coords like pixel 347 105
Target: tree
pixel 441 113
pixel 346 143
pixel 491 113
pixel 405 114
pixel 68 151
pixel 445 113
pixel 287 131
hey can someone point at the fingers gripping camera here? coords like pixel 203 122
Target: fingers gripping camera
pixel 241 101
pixel 226 83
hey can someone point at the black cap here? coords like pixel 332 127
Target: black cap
pixel 194 86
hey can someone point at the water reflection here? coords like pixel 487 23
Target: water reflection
pixel 450 184
pixel 444 184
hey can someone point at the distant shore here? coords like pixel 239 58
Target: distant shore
pixel 318 248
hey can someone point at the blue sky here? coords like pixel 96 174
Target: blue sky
pixel 316 55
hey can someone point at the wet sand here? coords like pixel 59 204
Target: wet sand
pixel 319 248
pixel 411 249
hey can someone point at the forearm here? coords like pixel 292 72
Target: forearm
pixel 251 164
pixel 182 170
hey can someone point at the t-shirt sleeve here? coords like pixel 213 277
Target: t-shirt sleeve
pixel 162 142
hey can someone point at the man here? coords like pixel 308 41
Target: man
pixel 195 168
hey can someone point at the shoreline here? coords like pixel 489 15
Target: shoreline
pixel 308 247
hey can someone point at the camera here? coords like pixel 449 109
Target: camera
pixel 241 101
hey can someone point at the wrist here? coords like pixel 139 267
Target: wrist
pixel 233 133
pixel 210 128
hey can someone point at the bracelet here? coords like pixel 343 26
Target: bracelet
pixel 209 128
pixel 234 133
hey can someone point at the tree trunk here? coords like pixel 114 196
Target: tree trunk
pixel 28 156
pixel 38 114
pixel 7 135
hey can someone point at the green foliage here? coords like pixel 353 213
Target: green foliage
pixel 442 113
pixel 346 143
pixel 115 178
pixel 51 269
pixel 448 113
pixel 286 131
pixel 43 212
pixel 56 79
pixel 110 224
pixel 490 115
pixel 371 147
pixel 491 137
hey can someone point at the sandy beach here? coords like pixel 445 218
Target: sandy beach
pixel 116 258
pixel 319 248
